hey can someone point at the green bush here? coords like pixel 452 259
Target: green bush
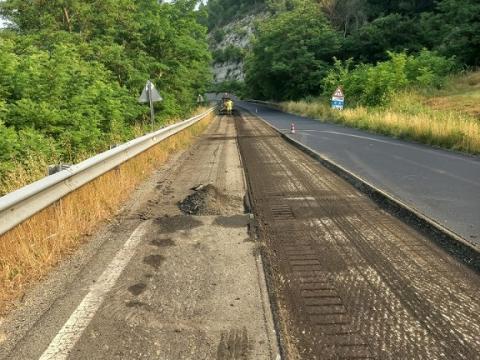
pixel 230 86
pixel 69 89
pixel 65 98
pixel 229 54
pixel 219 35
pixel 9 145
pixel 428 69
pixel 376 84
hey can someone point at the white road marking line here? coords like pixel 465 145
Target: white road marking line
pixel 67 337
pixel 396 142
pixel 302 198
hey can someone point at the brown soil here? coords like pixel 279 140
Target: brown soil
pixel 205 200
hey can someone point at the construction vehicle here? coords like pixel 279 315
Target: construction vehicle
pixel 226 105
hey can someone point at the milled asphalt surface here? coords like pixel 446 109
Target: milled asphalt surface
pixel 349 280
pixel 193 289
pixel 443 185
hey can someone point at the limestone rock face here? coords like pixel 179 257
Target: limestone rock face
pixel 237 35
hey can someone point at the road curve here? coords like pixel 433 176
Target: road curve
pixel 443 185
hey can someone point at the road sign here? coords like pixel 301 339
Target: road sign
pixel 150 95
pixel 149 89
pixel 338 93
pixel 338 104
pixel 338 99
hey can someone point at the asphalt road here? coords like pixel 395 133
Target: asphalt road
pixel 443 185
pixel 156 283
pixel 349 280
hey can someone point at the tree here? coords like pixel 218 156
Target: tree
pixel 459 30
pixel 393 32
pixel 88 18
pixel 71 72
pixel 291 54
pixel 345 15
pixel 379 8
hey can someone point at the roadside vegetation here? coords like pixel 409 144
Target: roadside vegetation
pixel 31 249
pixel 409 115
pixel 70 76
pixel 408 97
pixel 229 54
pixel 71 73
pixel 407 67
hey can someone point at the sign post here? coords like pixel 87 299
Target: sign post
pixel 338 99
pixel 150 95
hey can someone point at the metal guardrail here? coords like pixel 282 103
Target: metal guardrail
pixel 20 205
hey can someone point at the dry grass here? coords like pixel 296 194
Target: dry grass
pixel 461 94
pixel 31 249
pixel 24 173
pixel 35 167
pixel 405 118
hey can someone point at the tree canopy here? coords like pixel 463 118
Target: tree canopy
pixel 71 72
pixel 296 45
pixel 220 12
pixel 291 54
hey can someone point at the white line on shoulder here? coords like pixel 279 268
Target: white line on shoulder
pixel 67 337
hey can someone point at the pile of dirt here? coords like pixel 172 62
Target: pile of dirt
pixel 205 200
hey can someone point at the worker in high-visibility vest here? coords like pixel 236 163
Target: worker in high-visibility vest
pixel 229 106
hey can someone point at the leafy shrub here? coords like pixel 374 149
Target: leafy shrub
pixel 219 35
pixel 229 54
pixel 429 69
pixel 9 144
pixel 376 84
pixel 66 98
pixel 69 89
pixel 230 86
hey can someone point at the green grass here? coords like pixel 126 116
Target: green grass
pixel 447 118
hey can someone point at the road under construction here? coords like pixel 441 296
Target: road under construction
pixel 246 247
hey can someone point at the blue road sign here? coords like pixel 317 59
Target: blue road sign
pixel 338 99
pixel 338 104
